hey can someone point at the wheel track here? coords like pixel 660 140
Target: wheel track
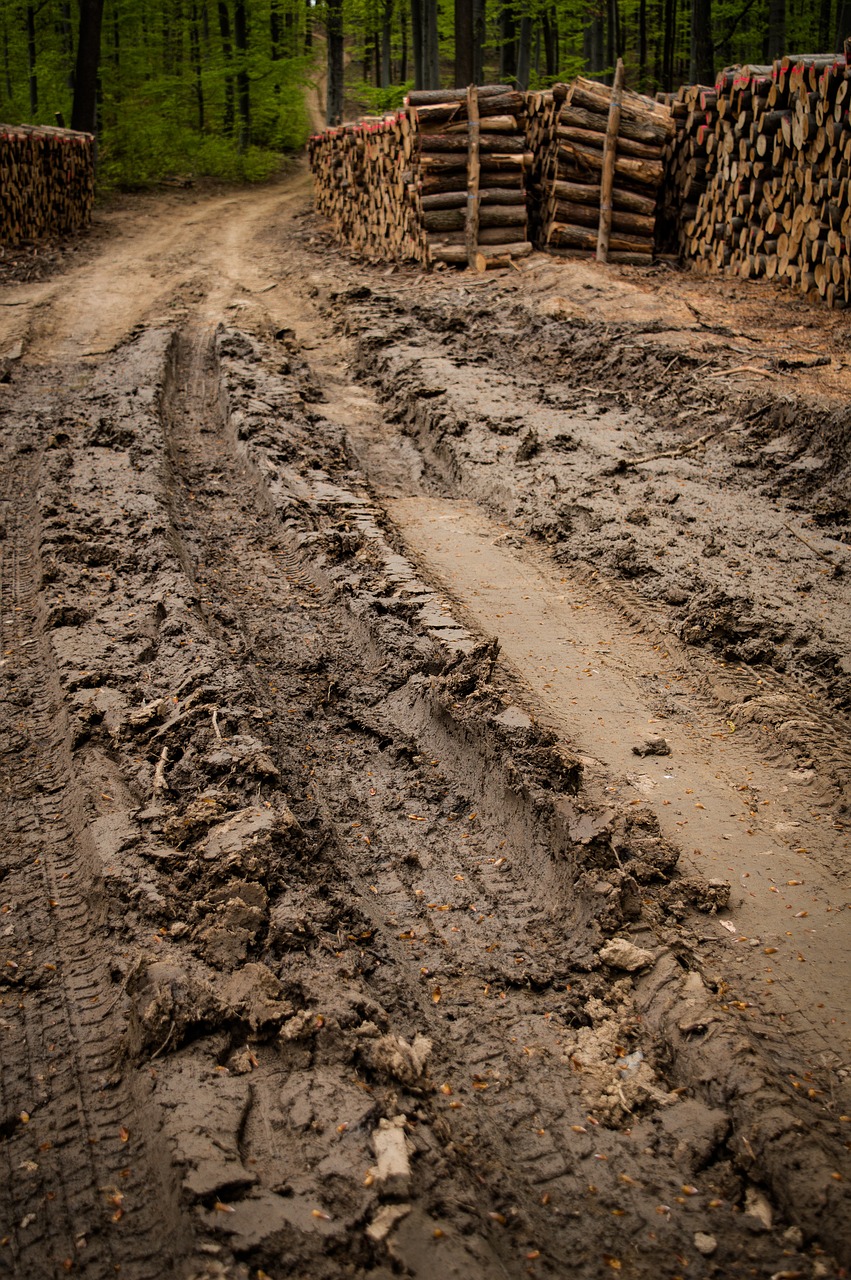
pixel 812 726
pixel 493 1142
pixel 88 1198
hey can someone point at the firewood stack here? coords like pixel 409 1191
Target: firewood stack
pixel 571 168
pixel 542 111
pixel 759 174
pixel 430 183
pixel 46 182
pixel 361 176
pixel 471 158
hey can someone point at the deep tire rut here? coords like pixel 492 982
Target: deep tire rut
pixel 71 1120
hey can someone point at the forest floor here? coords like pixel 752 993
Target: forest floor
pixel 425 763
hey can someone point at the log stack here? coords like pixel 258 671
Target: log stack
pixel 442 181
pixel 361 180
pixel 759 175
pixel 471 162
pixel 47 182
pixel 571 168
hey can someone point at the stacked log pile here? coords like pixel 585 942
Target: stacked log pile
pixel 442 181
pixel 759 175
pixel 571 146
pixel 361 176
pixel 46 182
pixel 471 159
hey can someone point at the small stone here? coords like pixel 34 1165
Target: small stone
pixel 622 954
pixel 758 1209
pixel 653 746
pixel 393 1172
pixel 793 1237
pixel 385 1220
pixel 705 1244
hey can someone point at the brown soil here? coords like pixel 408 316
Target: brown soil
pixel 425 750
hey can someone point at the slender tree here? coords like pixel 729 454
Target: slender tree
pixel 431 49
pixel 418 42
pixel 465 64
pixel 701 52
pixel 507 42
pixel 524 52
pixel 334 32
pixel 223 12
pixel 32 60
pixel 243 84
pixel 84 109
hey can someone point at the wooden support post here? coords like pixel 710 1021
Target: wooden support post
pixel 608 177
pixel 471 226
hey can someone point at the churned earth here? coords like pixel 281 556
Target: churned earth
pixel 425 763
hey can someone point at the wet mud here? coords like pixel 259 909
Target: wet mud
pixel 327 947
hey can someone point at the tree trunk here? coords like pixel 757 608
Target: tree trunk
pixel 227 53
pixel 611 38
pixel 479 31
pixel 308 27
pixel 67 37
pixel 84 109
pixel 843 23
pixel 403 49
pixel 668 53
pixel 366 61
pixel 376 59
pixel 431 52
pixel 195 54
pixel 7 68
pixel 386 34
pixel 31 57
pixel 465 69
pixel 418 43
pixel 775 45
pixel 824 25
pixel 701 58
pixel 552 43
pixel 507 43
pixel 592 41
pixel 334 111
pixel 524 52
pixel 642 45
pixel 274 30
pixel 240 33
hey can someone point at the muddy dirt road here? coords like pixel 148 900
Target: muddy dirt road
pixel 425 764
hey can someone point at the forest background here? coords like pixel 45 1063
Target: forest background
pixel 217 87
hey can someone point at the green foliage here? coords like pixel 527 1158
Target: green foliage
pixel 169 84
pixel 377 101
